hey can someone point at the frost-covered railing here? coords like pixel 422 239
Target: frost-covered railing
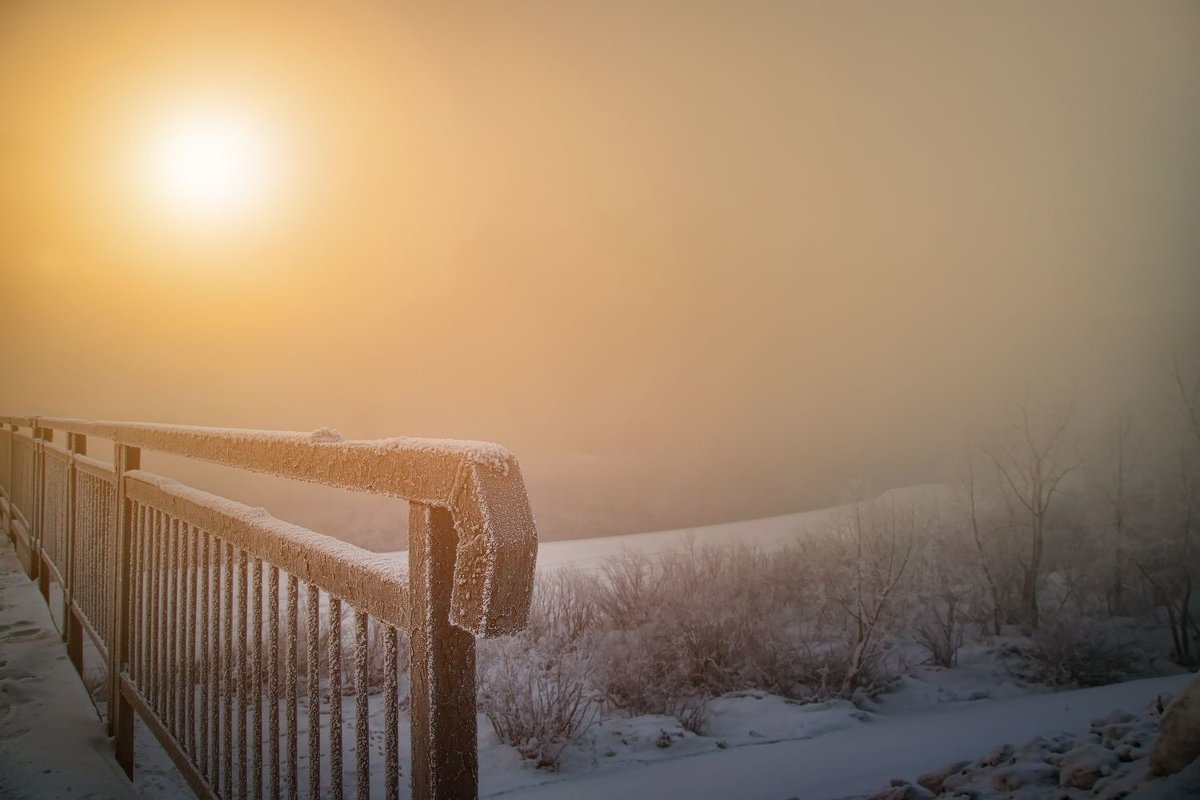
pixel 220 624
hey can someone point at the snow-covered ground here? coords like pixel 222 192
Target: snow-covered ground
pixel 52 743
pixel 843 752
pixel 755 745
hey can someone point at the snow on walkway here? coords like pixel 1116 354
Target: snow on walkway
pixel 52 743
pixel 861 760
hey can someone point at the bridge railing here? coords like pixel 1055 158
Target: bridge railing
pixel 264 656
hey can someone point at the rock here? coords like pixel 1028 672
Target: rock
pixel 1086 764
pixel 1024 773
pixel 935 781
pixel 1115 732
pixel 903 790
pixel 1178 742
pixel 1115 718
pixel 997 756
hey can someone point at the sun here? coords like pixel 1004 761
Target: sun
pixel 209 163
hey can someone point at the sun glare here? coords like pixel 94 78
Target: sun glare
pixel 209 164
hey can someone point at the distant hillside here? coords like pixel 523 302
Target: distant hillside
pixel 769 531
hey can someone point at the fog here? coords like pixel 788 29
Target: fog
pixel 690 262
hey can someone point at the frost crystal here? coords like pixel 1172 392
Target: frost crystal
pixel 326 435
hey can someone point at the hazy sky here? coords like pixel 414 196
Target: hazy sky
pixel 690 261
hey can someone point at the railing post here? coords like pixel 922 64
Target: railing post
pixel 120 712
pixel 444 759
pixel 72 630
pixel 38 559
pixel 12 445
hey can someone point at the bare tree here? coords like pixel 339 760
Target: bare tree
pixel 947 577
pixel 1031 463
pixel 877 545
pixel 1167 553
pixel 1189 398
pixel 1113 479
pixel 983 533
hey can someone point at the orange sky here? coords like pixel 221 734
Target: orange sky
pixel 690 261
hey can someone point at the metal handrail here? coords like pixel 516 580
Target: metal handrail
pixel 169 555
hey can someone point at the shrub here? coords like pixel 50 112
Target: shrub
pixel 538 702
pixel 941 628
pixel 1077 653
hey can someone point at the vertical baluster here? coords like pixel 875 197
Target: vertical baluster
pixel 178 622
pixel 205 675
pixel 314 692
pixel 98 608
pixel 92 567
pixel 290 679
pixel 136 554
pixel 179 651
pixel 103 570
pixel 147 522
pixel 164 677
pixel 171 619
pixel 83 544
pixel 362 739
pixel 273 678
pixel 216 666
pixel 81 594
pixel 126 460
pixel 102 553
pixel 138 579
pixel 335 697
pixel 255 696
pixel 71 516
pixel 189 661
pixel 243 674
pixel 391 714
pixel 156 613
pixel 227 673
pixel 141 530
pixel 111 535
pixel 84 541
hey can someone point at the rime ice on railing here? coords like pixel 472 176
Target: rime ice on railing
pixel 235 635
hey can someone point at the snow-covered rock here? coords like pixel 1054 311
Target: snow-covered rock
pixel 1179 743
pixel 1110 762
pixel 1084 765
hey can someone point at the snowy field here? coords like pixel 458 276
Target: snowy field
pixel 754 744
pixel 591 554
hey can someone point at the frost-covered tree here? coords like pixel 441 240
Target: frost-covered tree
pixel 875 544
pixel 1031 460
pixel 1166 548
pixel 991 536
pixel 1116 479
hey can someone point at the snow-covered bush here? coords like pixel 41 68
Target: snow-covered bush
pixel 565 606
pixel 630 590
pixel 1066 652
pixel 539 701
pixel 637 674
pixel 941 629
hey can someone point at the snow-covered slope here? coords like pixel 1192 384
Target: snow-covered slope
pixel 766 532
